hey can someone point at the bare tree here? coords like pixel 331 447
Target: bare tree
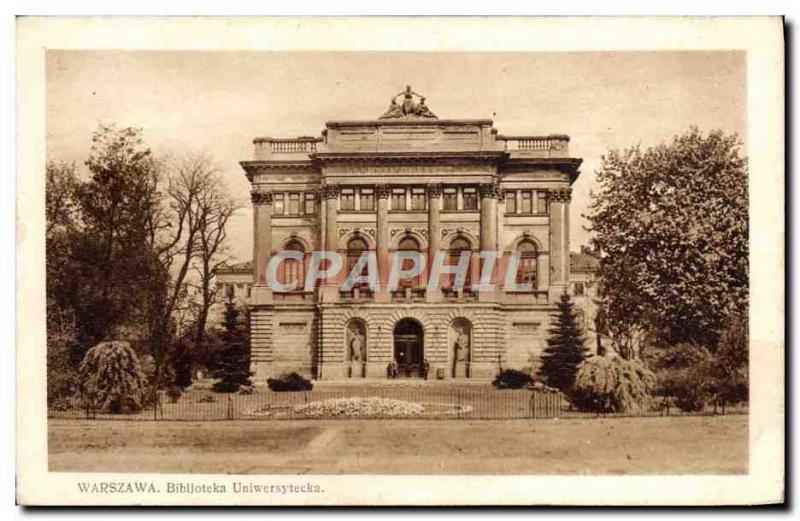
pixel 175 231
pixel 214 209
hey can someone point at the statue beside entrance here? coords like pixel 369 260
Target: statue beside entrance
pixel 461 349
pixel 356 342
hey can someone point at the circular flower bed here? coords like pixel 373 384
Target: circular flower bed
pixel 360 407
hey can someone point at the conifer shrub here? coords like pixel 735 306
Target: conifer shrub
pixel 291 382
pixel 612 384
pixel 111 378
pixel 234 365
pixel 512 379
pixel 565 348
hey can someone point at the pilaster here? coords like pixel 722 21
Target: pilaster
pixel 262 245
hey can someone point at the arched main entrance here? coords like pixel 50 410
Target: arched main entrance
pixel 409 349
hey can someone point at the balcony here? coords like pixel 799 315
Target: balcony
pixel 283 149
pixel 450 295
pixel 409 295
pixel 357 295
pixel 536 146
pixel 293 296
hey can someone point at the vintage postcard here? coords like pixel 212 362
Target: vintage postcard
pixel 316 262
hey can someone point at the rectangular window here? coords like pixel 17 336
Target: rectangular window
pixel 470 199
pixel 527 271
pixel 348 200
pixel 367 201
pixel 398 199
pixel 310 208
pixel 294 204
pixel 277 204
pixel 450 199
pixel 511 202
pixel 527 202
pixel 542 206
pixel 418 199
pixel 579 289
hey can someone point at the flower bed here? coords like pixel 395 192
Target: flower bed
pixel 360 407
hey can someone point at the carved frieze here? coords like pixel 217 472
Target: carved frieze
pixel 357 230
pixel 421 231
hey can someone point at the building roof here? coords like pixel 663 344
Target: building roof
pixel 586 260
pixel 239 267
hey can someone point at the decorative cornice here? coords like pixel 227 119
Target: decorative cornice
pixel 427 158
pixel 561 195
pixel 434 190
pixel 261 197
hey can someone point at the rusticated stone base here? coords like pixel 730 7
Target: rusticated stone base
pixel 311 339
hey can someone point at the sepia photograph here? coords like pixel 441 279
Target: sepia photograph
pixel 484 263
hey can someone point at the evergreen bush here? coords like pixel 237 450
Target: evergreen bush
pixel 291 382
pixel 565 348
pixel 512 379
pixel 234 365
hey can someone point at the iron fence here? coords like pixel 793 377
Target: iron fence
pixel 473 402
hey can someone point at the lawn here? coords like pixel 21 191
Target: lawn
pixel 616 446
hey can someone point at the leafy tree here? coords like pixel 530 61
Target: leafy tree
pixel 114 267
pixel 682 373
pixel 111 378
pixel 234 365
pixel 565 349
pixel 729 368
pixel 671 222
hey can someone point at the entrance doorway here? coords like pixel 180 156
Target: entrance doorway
pixel 409 348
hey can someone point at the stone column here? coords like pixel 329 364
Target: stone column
pixel 488 194
pixel 262 245
pixel 559 242
pixel 382 194
pixel 434 234
pixel 330 194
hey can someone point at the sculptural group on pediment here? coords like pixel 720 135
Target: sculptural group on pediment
pixel 408 108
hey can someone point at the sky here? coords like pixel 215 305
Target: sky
pixel 215 103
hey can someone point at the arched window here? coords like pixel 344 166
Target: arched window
pixel 355 247
pixel 526 273
pixel 292 269
pixel 408 244
pixel 457 246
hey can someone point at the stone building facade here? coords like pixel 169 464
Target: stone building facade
pixel 408 181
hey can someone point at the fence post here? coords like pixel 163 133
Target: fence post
pixel 230 406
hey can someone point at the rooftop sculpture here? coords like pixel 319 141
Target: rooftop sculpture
pixel 408 108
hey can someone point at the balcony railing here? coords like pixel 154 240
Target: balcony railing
pixel 267 147
pixel 294 296
pixel 550 145
pixel 409 294
pixel 357 295
pixel 459 296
